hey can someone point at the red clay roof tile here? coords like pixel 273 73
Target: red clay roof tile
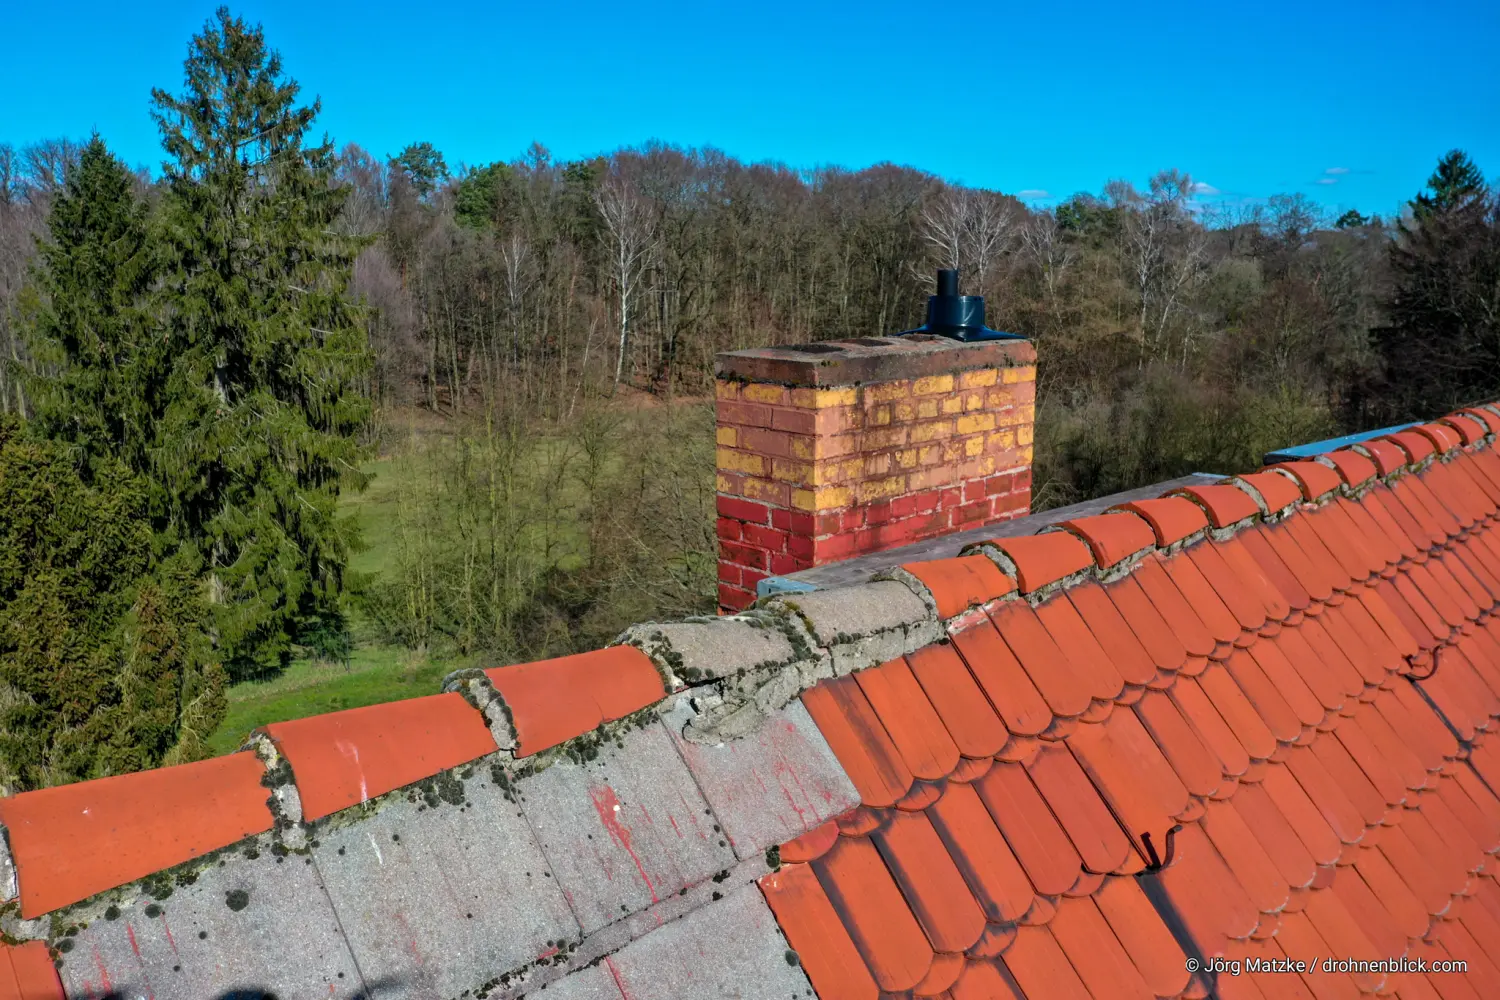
pixel 1407 912
pixel 1195 767
pixel 869 903
pixel 1211 901
pixel 1311 572
pixel 1045 558
pixel 1426 508
pixel 1334 806
pixel 1354 468
pixel 1314 479
pixel 1103 619
pixel 72 841
pixel 1307 819
pixel 1247 859
pixel 1225 504
pixel 1443 437
pixel 1096 954
pixel 978 849
pixel 1198 594
pixel 1085 656
pixel 1210 727
pixel 1278 491
pixel 1270 704
pixel 1237 711
pixel 344 758
pixel 811 845
pixel 986 980
pixel 1172 518
pixel 555 700
pixel 1306 686
pixel 944 973
pixel 1010 691
pixel 1129 770
pixel 1039 844
pixel 909 719
pixel 27 973
pixel 857 738
pixel 960 704
pixel 1042 968
pixel 1237 594
pixel 1066 692
pixel 1113 537
pixel 1490 418
pixel 961 583
pixel 1285 583
pixel 816 933
pixel 1466 425
pixel 1276 835
pixel 1415 447
pixel 1387 455
pixel 1139 928
pixel 1101 844
pixel 1157 637
pixel 1331 527
pixel 1249 571
pixel 930 882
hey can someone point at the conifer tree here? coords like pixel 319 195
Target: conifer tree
pixel 99 371
pixel 269 360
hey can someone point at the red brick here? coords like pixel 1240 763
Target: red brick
pixel 744 510
pixel 1000 483
pixel 764 442
pixel 1023 480
pixel 974 490
pixel 734 598
pixel 835 547
pixel 852 519
pixel 950 497
pixel 751 577
pixel 744 555
pixel 770 539
pixel 728 572
pixel 729 529
pixel 927 502
pixel 782 563
pixel 903 506
pixel 878 513
pixel 829 524
pixel 801 546
pixel 793 420
pixel 797 521
pixel 1018 504
pixel 971 513
pixel 744 414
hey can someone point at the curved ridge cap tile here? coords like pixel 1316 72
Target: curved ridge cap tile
pixel 1172 518
pixel 1354 468
pixel 1415 446
pixel 1489 418
pixel 1279 492
pixel 1113 537
pixel 1226 504
pixel 35 977
pixel 1315 479
pixel 73 841
pixel 1387 455
pixel 1467 426
pixel 1045 558
pixel 344 758
pixel 962 582
pixel 1444 438
pixel 552 701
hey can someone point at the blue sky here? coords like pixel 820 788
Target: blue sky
pixel 1347 101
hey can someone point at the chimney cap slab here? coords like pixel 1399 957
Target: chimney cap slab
pixel 870 359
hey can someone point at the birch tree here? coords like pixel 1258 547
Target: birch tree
pixel 629 237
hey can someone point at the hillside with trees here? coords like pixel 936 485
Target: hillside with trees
pixel 283 404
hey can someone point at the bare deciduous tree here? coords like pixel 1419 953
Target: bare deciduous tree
pixel 629 236
pixel 1043 245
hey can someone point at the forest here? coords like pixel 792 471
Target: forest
pixel 288 425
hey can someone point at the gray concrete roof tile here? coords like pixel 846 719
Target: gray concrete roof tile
pixel 592 983
pixel 446 886
pixel 626 829
pixel 841 615
pixel 728 950
pixel 772 786
pixel 261 925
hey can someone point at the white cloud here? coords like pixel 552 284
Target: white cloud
pixel 1336 170
pixel 1032 193
pixel 1202 188
pixel 1328 180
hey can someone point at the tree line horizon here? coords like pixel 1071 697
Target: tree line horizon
pixel 195 368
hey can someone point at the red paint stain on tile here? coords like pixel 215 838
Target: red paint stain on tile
pixel 607 805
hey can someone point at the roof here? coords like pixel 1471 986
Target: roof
pixel 1249 720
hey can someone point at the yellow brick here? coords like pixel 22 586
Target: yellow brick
pixel 887 437
pixel 764 489
pixel 1026 373
pixel 1026 454
pixel 740 461
pixel 822 498
pixel 942 475
pixel 725 436
pixel 974 446
pixel 880 417
pixel 953 451
pixel 974 401
pixel 932 384
pixel 885 392
pixel 1002 440
pixel 804 447
pixel 848 470
pixel 976 422
pixel 987 465
pixel 775 395
pixel 927 409
pixel 1029 412
pixel 932 431
pixel 930 454
pixel 877 489
pixel 790 471
pixel 831 446
pixel 1023 434
pixel 877 465
pixel 723 484
pixel 907 458
pixel 978 379
pixel 905 412
pixel 817 399
pixel 724 389
pixel 953 404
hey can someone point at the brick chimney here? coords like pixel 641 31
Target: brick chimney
pixel 837 449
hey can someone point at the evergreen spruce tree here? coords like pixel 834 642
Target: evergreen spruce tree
pixel 100 371
pixel 269 360
pixel 1441 344
pixel 105 666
